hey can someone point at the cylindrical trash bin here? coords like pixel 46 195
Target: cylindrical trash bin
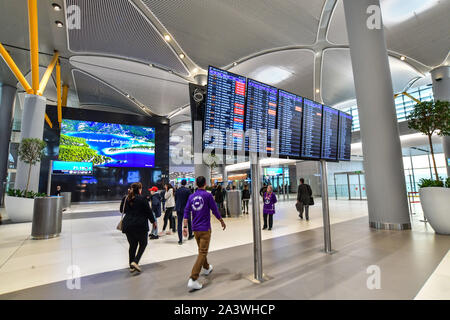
pixel 234 203
pixel 47 217
pixel 67 199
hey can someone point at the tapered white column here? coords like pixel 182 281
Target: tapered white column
pixel 32 127
pixel 441 91
pixel 383 165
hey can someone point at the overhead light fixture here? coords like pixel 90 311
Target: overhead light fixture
pixel 235 64
pixel 195 70
pixel 270 74
pixel 59 24
pixel 151 65
pixel 317 90
pixel 56 7
pixel 403 58
pixel 167 37
pixel 181 55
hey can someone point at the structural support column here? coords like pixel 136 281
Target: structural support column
pixel 7 100
pixel 32 127
pixel 200 168
pixel 383 165
pixel 441 91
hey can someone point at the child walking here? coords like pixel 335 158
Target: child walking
pixel 269 207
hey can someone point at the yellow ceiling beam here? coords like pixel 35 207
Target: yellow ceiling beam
pixel 65 93
pixel 58 92
pixel 49 122
pixel 411 97
pixel 34 44
pixel 48 74
pixel 12 65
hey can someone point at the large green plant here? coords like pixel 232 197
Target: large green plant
pixel 429 117
pixel 31 151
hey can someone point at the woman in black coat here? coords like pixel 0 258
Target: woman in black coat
pixel 135 224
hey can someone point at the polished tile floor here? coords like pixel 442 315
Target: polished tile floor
pixel 292 257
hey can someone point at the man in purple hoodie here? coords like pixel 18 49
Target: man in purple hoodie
pixel 200 204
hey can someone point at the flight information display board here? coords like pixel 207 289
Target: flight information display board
pixel 261 114
pixel 311 129
pixel 290 110
pixel 345 136
pixel 330 127
pixel 225 103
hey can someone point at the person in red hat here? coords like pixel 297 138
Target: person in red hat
pixel 155 200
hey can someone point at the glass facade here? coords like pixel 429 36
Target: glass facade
pixel 403 104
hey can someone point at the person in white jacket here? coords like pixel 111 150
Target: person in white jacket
pixel 170 206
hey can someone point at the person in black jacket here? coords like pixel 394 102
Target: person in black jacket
pixel 219 197
pixel 135 224
pixel 245 199
pixel 304 194
pixel 181 198
pixel 263 190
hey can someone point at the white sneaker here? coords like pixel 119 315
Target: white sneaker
pixel 206 272
pixel 194 285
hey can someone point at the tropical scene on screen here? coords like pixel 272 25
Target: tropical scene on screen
pixel 107 144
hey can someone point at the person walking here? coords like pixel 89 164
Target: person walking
pixel 219 199
pixel 170 206
pixel 263 190
pixel 304 195
pixel 200 205
pixel 181 198
pixel 155 200
pixel 245 199
pixel 135 224
pixel 269 207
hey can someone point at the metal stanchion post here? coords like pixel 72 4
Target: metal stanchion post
pixel 257 249
pixel 49 180
pixel 325 208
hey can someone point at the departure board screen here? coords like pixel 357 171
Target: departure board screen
pixel 311 129
pixel 345 136
pixel 224 108
pixel 261 114
pixel 330 126
pixel 289 123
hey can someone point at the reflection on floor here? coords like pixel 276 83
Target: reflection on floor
pixel 291 256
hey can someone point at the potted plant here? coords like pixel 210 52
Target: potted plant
pixel 20 203
pixel 211 160
pixel 430 117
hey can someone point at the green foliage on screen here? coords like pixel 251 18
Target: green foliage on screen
pixel 77 149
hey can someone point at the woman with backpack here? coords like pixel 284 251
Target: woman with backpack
pixel 135 224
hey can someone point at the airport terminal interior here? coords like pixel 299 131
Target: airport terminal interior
pixel 347 99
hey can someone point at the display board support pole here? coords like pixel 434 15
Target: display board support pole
pixel 49 180
pixel 258 276
pixel 325 208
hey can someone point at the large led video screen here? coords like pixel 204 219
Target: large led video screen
pixel 107 144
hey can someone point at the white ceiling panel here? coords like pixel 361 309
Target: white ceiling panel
pixel 418 29
pixel 159 90
pixel 119 28
pixel 219 32
pixel 290 70
pixel 337 76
